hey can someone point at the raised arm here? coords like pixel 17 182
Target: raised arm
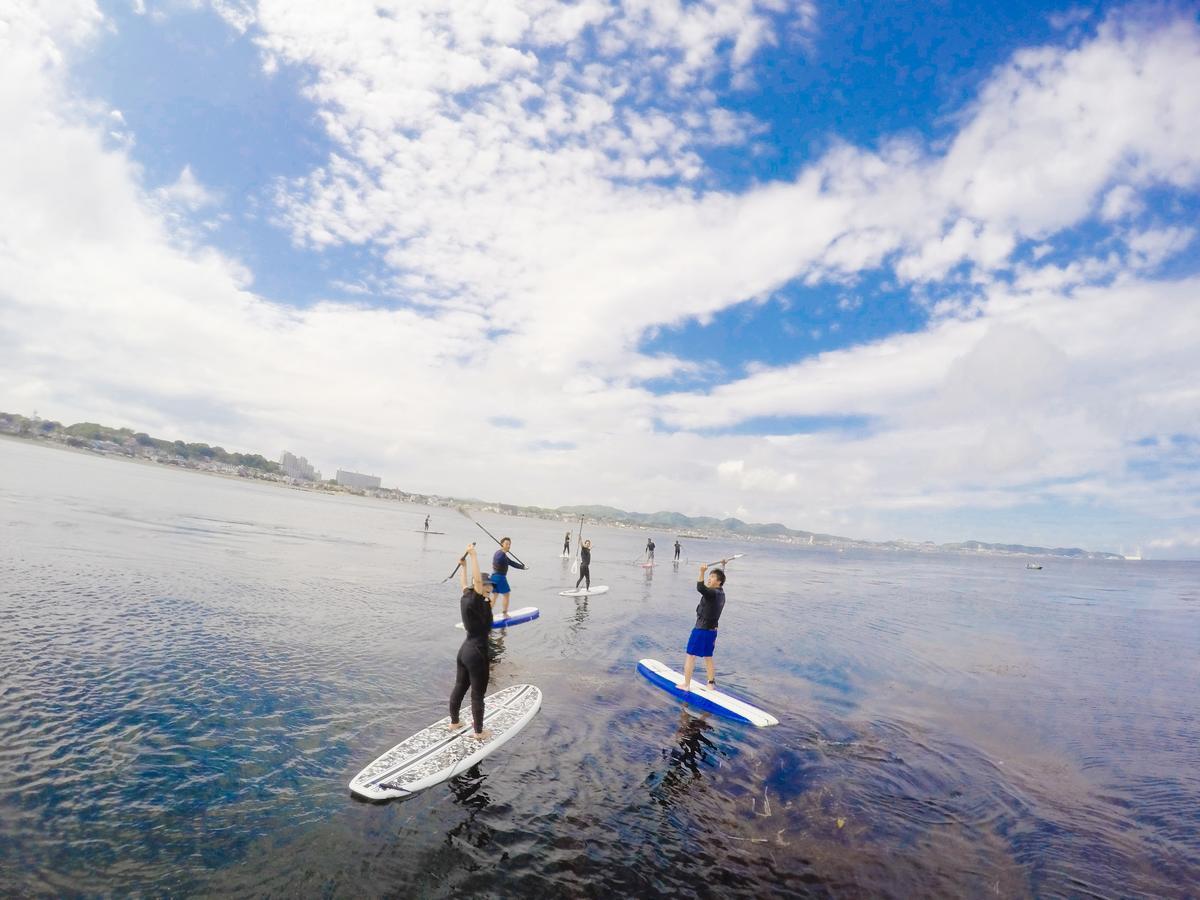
pixel 478 583
pixel 462 578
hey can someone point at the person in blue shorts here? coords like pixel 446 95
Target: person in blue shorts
pixel 703 641
pixel 500 563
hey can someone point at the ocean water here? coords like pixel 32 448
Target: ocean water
pixel 192 668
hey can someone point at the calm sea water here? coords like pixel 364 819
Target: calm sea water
pixel 193 668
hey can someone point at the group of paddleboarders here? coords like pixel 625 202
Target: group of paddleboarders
pixel 480 593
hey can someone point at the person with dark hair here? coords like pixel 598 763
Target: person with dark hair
pixel 649 549
pixel 427 523
pixel 472 660
pixel 585 560
pixel 567 545
pixel 677 548
pixel 703 640
pixel 500 563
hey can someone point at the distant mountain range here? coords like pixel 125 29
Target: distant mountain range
pixel 709 526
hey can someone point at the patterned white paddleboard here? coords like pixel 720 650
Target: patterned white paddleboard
pixel 438 753
pixel 583 592
pixel 514 617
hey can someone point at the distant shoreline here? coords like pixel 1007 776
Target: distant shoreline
pixel 596 515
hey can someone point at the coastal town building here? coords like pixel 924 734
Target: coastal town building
pixel 298 467
pixel 357 480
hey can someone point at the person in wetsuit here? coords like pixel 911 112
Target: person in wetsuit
pixel 704 635
pixel 427 523
pixel 676 551
pixel 500 563
pixel 649 549
pixel 472 660
pixel 567 545
pixel 585 560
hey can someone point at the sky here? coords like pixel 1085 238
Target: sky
pixel 922 271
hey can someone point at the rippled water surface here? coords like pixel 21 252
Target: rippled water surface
pixel 193 668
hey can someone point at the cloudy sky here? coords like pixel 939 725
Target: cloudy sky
pixel 925 270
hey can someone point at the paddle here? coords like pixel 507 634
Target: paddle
pixel 578 548
pixel 456 568
pixel 493 537
pixel 727 559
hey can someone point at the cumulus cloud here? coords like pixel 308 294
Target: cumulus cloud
pixel 533 175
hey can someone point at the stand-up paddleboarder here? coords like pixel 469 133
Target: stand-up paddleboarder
pixel 500 563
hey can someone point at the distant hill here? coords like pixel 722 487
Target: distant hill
pixel 677 522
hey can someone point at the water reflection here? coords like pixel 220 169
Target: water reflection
pixel 693 749
pixel 468 793
pixel 496 645
pixel 575 626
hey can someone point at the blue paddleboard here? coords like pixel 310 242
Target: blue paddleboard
pixel 514 617
pixel 716 702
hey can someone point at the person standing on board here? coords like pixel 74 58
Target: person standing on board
pixel 567 545
pixel 427 523
pixel 677 550
pixel 649 549
pixel 472 660
pixel 585 560
pixel 500 563
pixel 704 635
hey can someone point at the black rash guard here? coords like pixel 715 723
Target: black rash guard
pixel 708 610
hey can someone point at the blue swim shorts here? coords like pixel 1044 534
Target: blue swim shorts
pixel 702 642
pixel 500 584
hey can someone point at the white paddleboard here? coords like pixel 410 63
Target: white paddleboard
pixel 565 556
pixel 437 753
pixel 420 531
pixel 714 701
pixel 583 592
pixel 514 617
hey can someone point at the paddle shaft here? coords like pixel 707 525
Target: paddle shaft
pixel 497 540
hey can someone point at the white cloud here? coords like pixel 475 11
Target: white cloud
pixel 506 168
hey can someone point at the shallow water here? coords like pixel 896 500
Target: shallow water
pixel 195 667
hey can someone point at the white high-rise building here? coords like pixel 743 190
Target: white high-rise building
pixel 298 467
pixel 357 480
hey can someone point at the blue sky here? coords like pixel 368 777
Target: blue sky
pixel 925 272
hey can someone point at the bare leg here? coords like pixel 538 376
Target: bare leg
pixel 711 668
pixel 504 604
pixel 689 666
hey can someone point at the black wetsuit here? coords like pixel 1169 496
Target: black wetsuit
pixel 472 660
pixel 567 543
pixel 585 560
pixel 650 549
pixel 677 549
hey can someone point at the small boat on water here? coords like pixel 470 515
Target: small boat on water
pixel 1032 566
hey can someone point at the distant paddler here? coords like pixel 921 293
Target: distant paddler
pixel 585 562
